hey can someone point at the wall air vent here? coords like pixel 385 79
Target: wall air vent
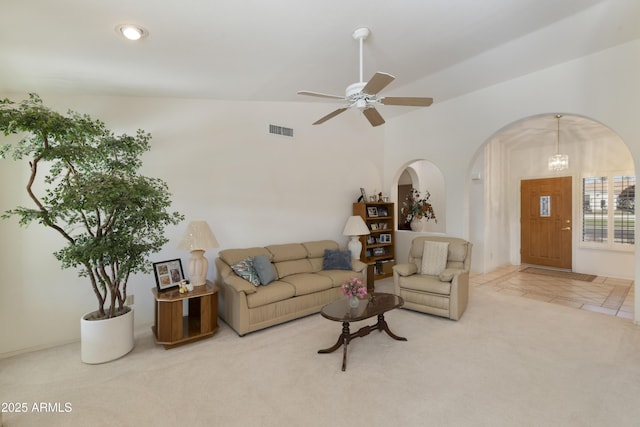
pixel 280 130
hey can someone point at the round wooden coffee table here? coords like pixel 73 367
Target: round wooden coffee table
pixel 375 304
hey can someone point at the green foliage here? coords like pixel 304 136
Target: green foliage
pixel 112 217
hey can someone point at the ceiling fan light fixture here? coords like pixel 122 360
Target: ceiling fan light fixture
pixel 558 162
pixel 365 95
pixel 131 32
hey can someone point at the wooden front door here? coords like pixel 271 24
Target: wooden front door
pixel 545 222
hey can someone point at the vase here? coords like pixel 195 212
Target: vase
pixel 417 224
pixel 354 302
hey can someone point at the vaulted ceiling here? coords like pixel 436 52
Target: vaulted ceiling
pixel 268 50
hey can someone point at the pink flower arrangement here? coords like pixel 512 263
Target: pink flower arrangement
pixel 354 288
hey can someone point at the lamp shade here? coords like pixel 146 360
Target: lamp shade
pixel 198 236
pixel 355 227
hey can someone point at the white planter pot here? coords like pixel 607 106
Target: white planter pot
pixel 106 340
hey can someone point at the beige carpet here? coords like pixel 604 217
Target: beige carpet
pixel 560 274
pixel 508 362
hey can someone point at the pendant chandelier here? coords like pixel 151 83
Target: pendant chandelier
pixel 558 161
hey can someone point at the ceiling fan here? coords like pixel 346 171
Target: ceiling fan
pixel 364 95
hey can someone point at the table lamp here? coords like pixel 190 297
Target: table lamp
pixel 355 228
pixel 197 238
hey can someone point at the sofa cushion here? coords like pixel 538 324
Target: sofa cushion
pixel 276 291
pixel 287 252
pixel 234 256
pixel 306 283
pixel 264 268
pixel 338 277
pixel 426 283
pixel 336 260
pixel 457 251
pixel 316 249
pixel 287 268
pixel 245 270
pixel 434 257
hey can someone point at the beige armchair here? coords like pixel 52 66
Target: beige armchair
pixel 444 289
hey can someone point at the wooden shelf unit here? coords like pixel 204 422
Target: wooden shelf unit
pixel 380 254
pixel 172 329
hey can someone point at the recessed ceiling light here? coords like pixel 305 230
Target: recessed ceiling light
pixel 131 32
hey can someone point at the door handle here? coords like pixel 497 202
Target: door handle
pixel 566 228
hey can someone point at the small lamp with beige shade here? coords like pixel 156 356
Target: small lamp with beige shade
pixel 197 239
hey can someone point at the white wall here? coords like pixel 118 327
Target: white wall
pixel 257 189
pixel 603 87
pixel 222 166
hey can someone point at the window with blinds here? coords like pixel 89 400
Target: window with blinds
pixel 608 209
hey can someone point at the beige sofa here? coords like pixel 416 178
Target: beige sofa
pixel 445 294
pixel 301 286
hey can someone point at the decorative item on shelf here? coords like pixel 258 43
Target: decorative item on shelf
pixel 558 161
pixel 418 210
pixel 354 228
pixel 363 195
pixel 197 238
pixel 354 289
pixel 184 286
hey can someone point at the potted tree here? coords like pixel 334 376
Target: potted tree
pixel 85 185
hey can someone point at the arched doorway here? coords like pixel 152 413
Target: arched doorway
pixel 520 151
pixel 424 176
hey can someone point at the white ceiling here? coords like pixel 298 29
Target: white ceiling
pixel 268 50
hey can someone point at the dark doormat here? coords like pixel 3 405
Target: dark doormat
pixel 559 274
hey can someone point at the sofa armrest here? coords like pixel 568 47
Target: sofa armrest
pixel 358 266
pixel 449 274
pixel 459 294
pixel 231 279
pixel 405 269
pixel 400 270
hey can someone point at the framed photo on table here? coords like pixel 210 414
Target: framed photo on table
pixel 168 274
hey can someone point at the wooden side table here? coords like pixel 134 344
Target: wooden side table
pixel 171 328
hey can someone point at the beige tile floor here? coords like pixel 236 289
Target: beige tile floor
pixel 603 295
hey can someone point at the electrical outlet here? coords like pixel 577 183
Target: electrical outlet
pixel 128 300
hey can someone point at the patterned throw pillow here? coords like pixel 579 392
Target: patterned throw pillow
pixel 245 270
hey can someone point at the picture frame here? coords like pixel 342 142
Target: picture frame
pixel 168 274
pixel 363 195
pixel 378 251
pixel 374 227
pixel 385 238
pixel 382 211
pixel 372 211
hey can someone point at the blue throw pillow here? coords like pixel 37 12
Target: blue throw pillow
pixel 336 260
pixel 264 268
pixel 245 270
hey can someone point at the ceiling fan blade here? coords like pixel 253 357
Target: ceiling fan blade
pixel 321 95
pixel 407 100
pixel 378 82
pixel 330 116
pixel 373 116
